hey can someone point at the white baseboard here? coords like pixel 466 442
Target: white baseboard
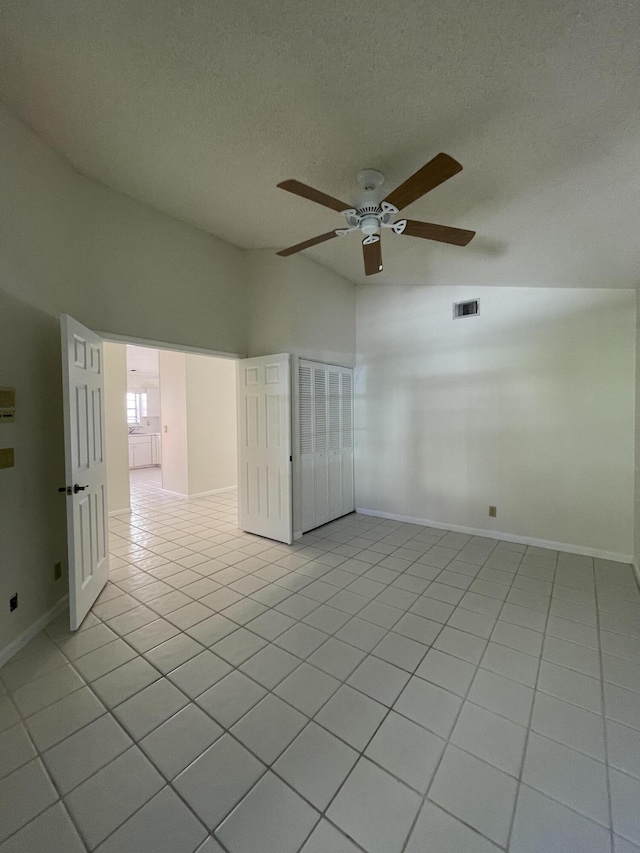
pixel 199 494
pixel 213 492
pixel 507 537
pixel 29 633
pixel 119 511
pixel 179 495
pixel 297 535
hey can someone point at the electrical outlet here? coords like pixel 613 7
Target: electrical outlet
pixel 493 512
pixel 57 571
pixel 13 602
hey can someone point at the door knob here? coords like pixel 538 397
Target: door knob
pixel 66 489
pixel 78 488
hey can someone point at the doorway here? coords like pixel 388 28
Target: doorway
pixel 206 445
pixel 144 436
pixel 94 374
pixel 170 424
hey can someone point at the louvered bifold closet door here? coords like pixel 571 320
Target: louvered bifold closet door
pixel 306 422
pixel 326 442
pixel 320 446
pixel 346 449
pixel 314 442
pixel 334 456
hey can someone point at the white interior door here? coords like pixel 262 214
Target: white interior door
pixel 264 447
pixel 85 466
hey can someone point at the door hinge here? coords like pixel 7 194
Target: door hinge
pixel 291 459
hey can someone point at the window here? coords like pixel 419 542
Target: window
pixel 136 407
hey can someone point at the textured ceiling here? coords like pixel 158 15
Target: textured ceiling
pixel 201 108
pixel 143 360
pixel 143 368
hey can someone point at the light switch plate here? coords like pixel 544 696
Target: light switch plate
pixel 7 459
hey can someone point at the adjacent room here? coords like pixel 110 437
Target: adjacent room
pixel 319 427
pixel 170 424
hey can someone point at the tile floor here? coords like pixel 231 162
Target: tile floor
pixel 376 687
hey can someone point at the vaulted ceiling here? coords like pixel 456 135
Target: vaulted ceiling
pixel 201 108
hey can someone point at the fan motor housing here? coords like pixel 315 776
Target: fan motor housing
pixel 367 201
pixel 370 225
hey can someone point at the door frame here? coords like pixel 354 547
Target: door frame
pixel 117 338
pixel 134 340
pixel 296 472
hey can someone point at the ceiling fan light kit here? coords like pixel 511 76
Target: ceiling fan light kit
pixel 370 214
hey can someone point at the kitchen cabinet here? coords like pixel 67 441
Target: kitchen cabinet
pixel 144 450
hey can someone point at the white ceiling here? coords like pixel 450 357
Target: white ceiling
pixel 201 108
pixel 143 367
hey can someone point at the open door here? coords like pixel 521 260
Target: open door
pixel 264 447
pixel 85 466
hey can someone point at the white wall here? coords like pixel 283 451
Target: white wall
pixel 636 516
pixel 173 417
pixel 211 423
pixel 198 406
pixel 295 305
pixel 32 513
pixel 115 426
pixel 70 245
pixel 529 407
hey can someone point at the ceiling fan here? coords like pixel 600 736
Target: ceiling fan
pixel 370 214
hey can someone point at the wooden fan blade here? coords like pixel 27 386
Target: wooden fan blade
pixel 303 190
pixel 372 254
pixel 434 173
pixel 441 233
pixel 312 242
